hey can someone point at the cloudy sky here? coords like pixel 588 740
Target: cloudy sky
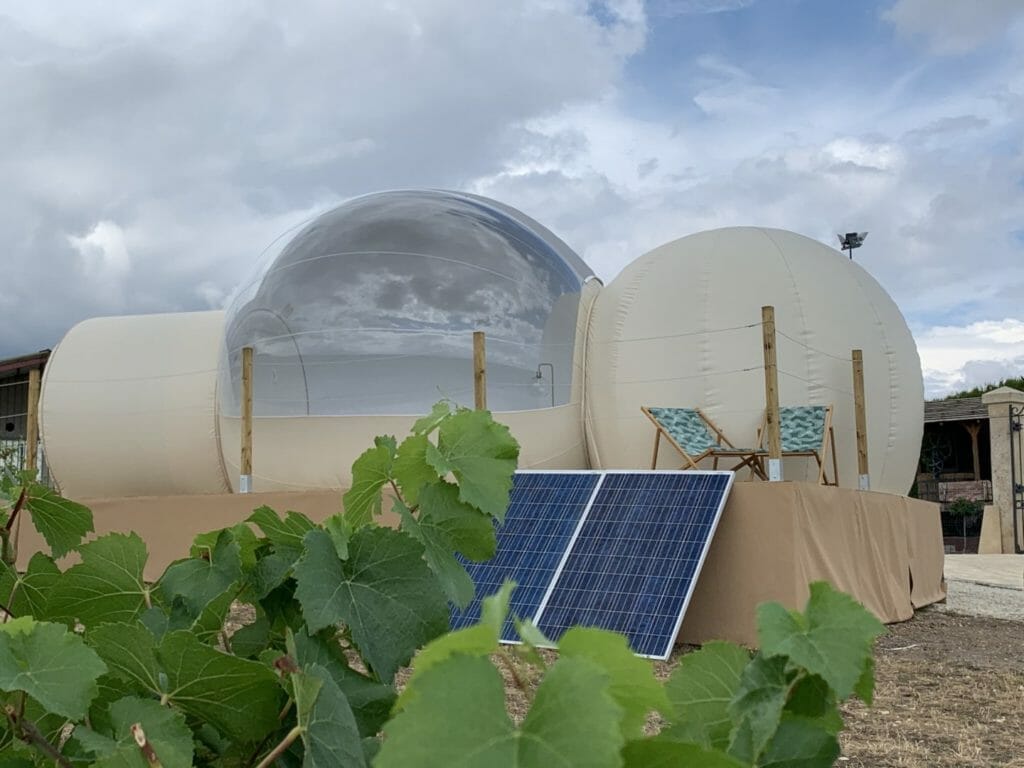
pixel 153 150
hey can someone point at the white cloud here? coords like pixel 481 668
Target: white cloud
pixel 961 357
pixel 672 8
pixel 954 26
pixel 103 251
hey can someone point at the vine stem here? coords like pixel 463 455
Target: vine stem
pixel 9 555
pixel 279 750
pixel 150 755
pixel 26 731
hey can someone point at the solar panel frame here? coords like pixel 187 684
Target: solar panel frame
pixel 470 614
pixel 705 546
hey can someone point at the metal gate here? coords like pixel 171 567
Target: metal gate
pixel 1016 478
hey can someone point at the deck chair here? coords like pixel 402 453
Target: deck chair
pixel 696 437
pixel 806 430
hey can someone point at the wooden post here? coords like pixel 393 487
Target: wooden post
pixel 860 411
pixel 32 423
pixel 479 371
pixel 771 395
pixel 973 428
pixel 245 478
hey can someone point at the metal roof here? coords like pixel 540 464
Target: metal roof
pixel 12 366
pixel 961 409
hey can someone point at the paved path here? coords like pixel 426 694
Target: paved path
pixel 991 570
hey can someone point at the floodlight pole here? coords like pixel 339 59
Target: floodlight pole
pixel 771 395
pixel 245 476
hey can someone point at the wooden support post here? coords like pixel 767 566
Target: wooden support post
pixel 771 395
pixel 479 371
pixel 245 478
pixel 973 428
pixel 861 414
pixel 32 423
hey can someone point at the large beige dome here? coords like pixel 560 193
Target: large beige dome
pixel 680 326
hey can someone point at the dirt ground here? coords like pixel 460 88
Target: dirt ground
pixel 949 692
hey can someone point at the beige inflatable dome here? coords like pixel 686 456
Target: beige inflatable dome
pixel 680 326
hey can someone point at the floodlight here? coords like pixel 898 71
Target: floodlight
pixel 852 240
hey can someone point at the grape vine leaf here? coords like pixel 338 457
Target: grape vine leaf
pixel 284 533
pixel 250 640
pixel 427 424
pixel 129 651
pixel 481 454
pixel 165 729
pixel 50 664
pixel 106 587
pixel 438 548
pixel 631 679
pixel 205 543
pixel 757 706
pixel 799 743
pixel 340 531
pixel 411 470
pixel 62 523
pixel 239 697
pixel 198 581
pixel 329 730
pixel 573 721
pixel 812 699
pixel 29 591
pixel 657 753
pixel 700 690
pixel 865 687
pixel 832 638
pixel 384 593
pixel 481 639
pixel 370 472
pixel 370 701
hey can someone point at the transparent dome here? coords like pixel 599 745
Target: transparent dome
pixel 371 309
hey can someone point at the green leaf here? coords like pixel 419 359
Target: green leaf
pixel 106 587
pixel 62 523
pixel 573 720
pixel 437 546
pixel 129 650
pixel 197 581
pixel 757 707
pixel 432 421
pixel 632 682
pixel 285 534
pixel 384 592
pixel 165 730
pixel 370 701
pixel 865 687
pixel 465 528
pixel 654 753
pixel 370 473
pixel 241 698
pixel 340 531
pixel 832 639
pixel 812 699
pixel 156 620
pixel 208 625
pixel 50 664
pixel 801 744
pixel 479 640
pixel 204 544
pixel 30 589
pixel 270 573
pixel 249 641
pixel 481 454
pixel 329 730
pixel 411 469
pixel 701 688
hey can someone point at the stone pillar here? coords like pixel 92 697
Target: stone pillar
pixel 1001 512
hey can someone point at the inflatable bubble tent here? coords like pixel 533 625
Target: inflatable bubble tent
pixel 364 319
pixel 371 308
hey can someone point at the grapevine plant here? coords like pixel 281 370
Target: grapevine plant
pixel 279 641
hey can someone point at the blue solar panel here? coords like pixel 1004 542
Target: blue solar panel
pixel 544 511
pixel 634 563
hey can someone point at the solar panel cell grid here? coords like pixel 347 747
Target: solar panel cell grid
pixel 544 511
pixel 634 563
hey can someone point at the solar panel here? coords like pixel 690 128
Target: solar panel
pixel 634 563
pixel 544 512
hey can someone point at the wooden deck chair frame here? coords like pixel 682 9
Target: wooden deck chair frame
pixel 725 449
pixel 828 446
